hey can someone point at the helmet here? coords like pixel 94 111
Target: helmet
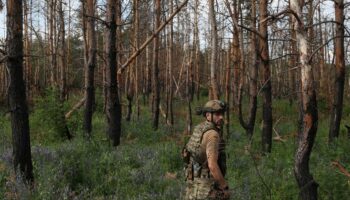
pixel 212 106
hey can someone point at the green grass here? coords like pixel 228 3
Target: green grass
pixel 147 164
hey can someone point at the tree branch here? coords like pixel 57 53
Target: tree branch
pixel 235 23
pixel 136 53
pixel 324 44
pixel 341 168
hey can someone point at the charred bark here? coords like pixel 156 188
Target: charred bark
pixel 89 67
pixel 155 71
pixel 306 138
pixel 266 88
pixel 22 159
pixel 337 107
pixel 113 107
pixel 253 78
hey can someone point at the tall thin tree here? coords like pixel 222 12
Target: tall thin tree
pixel 266 88
pixel 90 63
pixel 253 77
pixel 306 137
pixel 27 47
pixel 292 61
pixel 136 65
pixel 214 90
pixel 170 113
pixel 113 108
pixel 62 51
pixel 22 159
pixel 197 50
pixel 155 69
pixel 52 44
pixel 337 107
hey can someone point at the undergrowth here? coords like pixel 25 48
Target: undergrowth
pixel 147 164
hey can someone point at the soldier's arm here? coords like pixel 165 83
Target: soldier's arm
pixel 212 152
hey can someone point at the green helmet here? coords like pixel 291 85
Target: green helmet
pixel 212 106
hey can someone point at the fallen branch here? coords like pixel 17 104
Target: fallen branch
pixel 75 107
pixel 341 168
pixel 278 136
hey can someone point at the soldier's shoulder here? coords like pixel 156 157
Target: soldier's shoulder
pixel 200 125
pixel 211 133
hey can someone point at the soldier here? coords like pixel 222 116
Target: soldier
pixel 205 157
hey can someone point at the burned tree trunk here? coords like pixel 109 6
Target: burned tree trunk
pixel 170 113
pixel 155 71
pixel 337 107
pixel 136 44
pixel 306 183
pixel 113 108
pixel 27 47
pixel 90 63
pixel 22 159
pixel 253 79
pixel 266 88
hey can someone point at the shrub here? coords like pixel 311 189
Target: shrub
pixel 47 122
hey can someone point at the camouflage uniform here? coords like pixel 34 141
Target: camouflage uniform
pixel 200 183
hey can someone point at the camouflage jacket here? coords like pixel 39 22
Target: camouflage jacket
pixel 198 157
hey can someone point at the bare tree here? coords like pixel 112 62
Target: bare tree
pixel 155 70
pixel 197 50
pixel 214 90
pixel 237 55
pixel 321 57
pixel 22 159
pixel 170 113
pixel 136 44
pixel 337 107
pixel 90 63
pixel 306 137
pixel 27 48
pixel 266 88
pixel 228 91
pixel 52 38
pixel 253 78
pixel 292 60
pixel 113 108
pixel 62 51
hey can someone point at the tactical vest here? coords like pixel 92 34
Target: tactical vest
pixel 198 158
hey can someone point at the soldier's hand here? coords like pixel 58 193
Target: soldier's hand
pixel 226 194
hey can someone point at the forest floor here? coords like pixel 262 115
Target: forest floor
pixel 147 164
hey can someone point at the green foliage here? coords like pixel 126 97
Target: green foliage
pixel 47 120
pixel 89 169
pixel 170 157
pixel 5 131
pixel 99 101
pixel 333 184
pixel 147 164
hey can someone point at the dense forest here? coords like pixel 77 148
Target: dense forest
pixel 98 98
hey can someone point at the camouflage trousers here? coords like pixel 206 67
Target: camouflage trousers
pixel 203 189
